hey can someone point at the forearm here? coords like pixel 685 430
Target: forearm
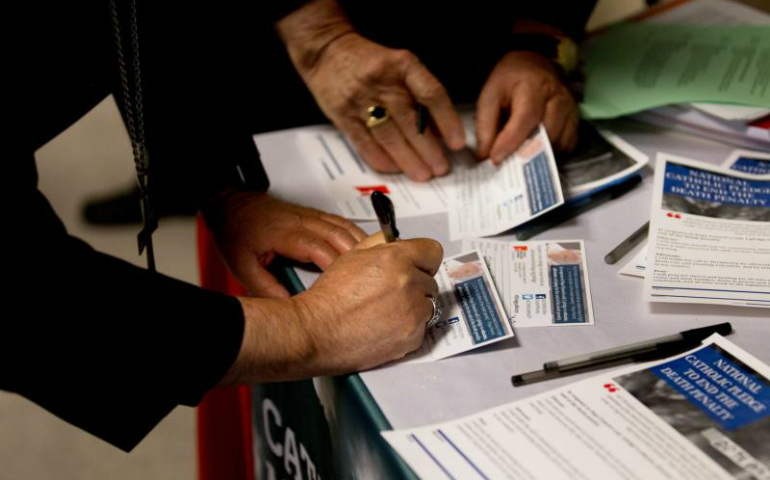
pixel 308 31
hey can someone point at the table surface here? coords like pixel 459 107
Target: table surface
pixel 421 394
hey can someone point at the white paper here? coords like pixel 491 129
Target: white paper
pixel 711 12
pixel 345 176
pixel 541 283
pixel 724 13
pixel 472 315
pixel 735 113
pixel 702 415
pixel 637 266
pixel 709 236
pixel 489 199
pixel 749 161
pixel 585 176
pixel 690 117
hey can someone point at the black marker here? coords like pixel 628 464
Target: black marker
pixel 386 215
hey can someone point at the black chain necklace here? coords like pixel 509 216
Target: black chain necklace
pixel 134 115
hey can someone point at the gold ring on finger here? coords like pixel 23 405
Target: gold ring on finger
pixel 377 114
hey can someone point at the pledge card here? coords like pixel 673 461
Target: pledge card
pixel 472 314
pixel 542 283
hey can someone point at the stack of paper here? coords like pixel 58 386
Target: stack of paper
pixel 709 232
pixel 700 66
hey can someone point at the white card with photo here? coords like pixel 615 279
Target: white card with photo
pixel 488 199
pixel 472 314
pixel 542 283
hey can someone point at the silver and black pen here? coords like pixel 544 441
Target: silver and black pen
pixel 653 349
pixel 626 245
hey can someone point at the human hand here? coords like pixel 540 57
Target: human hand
pixel 347 74
pixel 371 306
pixel 250 229
pixel 528 86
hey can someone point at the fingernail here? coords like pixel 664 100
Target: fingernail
pixel 457 141
pixel 423 175
pixel 440 169
pixel 498 157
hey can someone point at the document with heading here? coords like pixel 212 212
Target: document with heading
pixel 709 236
pixel 702 415
pixel 488 199
pixel 472 315
pixel 482 199
pixel 541 283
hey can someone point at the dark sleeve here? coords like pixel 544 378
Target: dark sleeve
pixel 569 17
pixel 105 345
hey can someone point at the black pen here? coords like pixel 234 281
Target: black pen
pixel 386 215
pixel 422 118
pixel 573 208
pixel 626 245
pixel 653 349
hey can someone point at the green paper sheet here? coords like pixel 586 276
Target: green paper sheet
pixel 634 67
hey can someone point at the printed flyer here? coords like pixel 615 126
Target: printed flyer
pixel 709 236
pixel 703 415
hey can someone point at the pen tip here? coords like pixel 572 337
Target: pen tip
pixel 517 380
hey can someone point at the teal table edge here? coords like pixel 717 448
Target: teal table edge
pixel 358 398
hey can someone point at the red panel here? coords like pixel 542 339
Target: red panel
pixel 224 416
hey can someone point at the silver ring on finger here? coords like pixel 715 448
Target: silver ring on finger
pixel 435 315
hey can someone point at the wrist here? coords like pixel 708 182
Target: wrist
pixel 548 41
pixel 310 30
pixel 217 208
pixel 276 345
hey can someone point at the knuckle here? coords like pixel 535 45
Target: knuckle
pixel 335 231
pixel 373 74
pixel 404 284
pixel 432 90
pixel 436 249
pixel 403 58
pixel 391 256
pixel 339 103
